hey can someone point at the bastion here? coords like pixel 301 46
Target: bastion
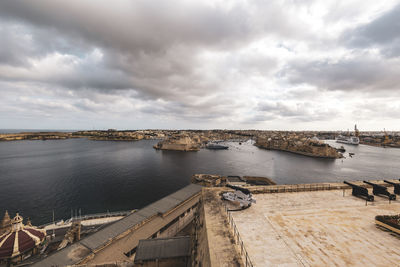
pixel 314 225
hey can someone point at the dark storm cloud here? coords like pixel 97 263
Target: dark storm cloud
pixel 150 26
pixel 370 65
pixel 383 32
pixel 15 45
pixel 153 47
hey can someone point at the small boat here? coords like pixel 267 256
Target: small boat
pixel 341 149
pixel 216 146
pixel 351 154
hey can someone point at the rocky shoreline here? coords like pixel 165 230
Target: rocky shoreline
pixel 35 136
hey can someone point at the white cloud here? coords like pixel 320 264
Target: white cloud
pixel 185 64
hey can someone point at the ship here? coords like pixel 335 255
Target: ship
pixel 216 146
pixel 350 140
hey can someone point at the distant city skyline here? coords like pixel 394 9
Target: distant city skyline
pixel 268 65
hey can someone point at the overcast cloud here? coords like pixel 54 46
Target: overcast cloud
pixel 199 64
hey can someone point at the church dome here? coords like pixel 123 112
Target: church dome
pixel 20 239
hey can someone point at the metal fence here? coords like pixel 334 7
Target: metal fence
pixel 238 240
pixel 293 188
pixel 101 215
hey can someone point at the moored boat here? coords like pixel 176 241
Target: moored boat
pixel 350 140
pixel 216 146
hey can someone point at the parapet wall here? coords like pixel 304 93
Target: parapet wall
pixel 201 255
pixel 311 187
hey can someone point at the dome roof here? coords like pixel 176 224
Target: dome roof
pixel 20 239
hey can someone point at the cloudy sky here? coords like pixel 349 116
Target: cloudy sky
pixel 200 64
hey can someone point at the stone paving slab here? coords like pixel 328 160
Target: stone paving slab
pixel 319 228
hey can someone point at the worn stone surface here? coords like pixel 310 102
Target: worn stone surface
pixel 320 228
pixel 222 248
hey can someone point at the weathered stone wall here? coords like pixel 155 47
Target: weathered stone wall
pixel 180 147
pixel 201 255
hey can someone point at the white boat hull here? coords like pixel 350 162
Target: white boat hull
pixel 349 140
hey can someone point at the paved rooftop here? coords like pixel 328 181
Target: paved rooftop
pixel 162 248
pixel 318 228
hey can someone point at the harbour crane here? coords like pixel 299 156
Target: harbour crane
pixel 386 141
pixel 356 131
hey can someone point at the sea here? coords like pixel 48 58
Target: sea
pixel 84 176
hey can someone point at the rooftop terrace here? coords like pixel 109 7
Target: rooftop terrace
pixel 317 228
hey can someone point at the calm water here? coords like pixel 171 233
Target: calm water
pixel 37 177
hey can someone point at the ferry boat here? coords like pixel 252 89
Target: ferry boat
pixel 216 146
pixel 350 140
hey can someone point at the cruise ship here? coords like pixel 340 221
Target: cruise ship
pixel 348 139
pixel 351 140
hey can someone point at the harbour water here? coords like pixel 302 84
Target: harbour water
pixel 37 177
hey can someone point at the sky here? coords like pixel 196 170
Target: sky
pixel 144 64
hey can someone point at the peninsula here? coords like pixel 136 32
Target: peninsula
pixel 299 144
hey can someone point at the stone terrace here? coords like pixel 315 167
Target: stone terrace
pixel 317 228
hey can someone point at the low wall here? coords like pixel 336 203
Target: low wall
pixel 312 187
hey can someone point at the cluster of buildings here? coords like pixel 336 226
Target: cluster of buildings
pixel 381 139
pixel 114 135
pixel 297 143
pixel 194 140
